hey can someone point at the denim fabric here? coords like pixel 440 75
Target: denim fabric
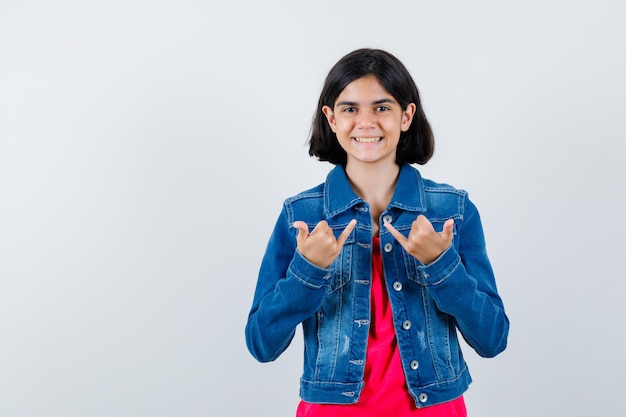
pixel 429 302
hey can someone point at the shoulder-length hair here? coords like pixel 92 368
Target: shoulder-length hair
pixel 416 145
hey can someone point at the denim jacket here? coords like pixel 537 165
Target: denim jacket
pixel 429 302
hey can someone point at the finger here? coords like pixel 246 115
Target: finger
pixel 395 233
pixel 303 230
pixel 422 224
pixel 321 226
pixel 447 229
pixel 346 232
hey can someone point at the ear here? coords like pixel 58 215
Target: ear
pixel 407 116
pixel 330 116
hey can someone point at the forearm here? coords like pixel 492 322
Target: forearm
pixel 277 311
pixel 471 298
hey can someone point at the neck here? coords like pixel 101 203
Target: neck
pixel 375 185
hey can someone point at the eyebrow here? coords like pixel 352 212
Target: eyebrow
pixel 354 103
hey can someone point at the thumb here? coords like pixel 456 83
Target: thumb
pixel 447 230
pixel 303 231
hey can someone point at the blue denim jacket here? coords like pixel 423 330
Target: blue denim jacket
pixel 429 302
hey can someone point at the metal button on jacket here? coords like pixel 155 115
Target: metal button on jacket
pixel 406 325
pixel 423 398
pixel 415 365
pixel 397 286
pixel 388 247
pixel 387 218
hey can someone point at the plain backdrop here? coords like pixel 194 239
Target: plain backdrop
pixel 146 148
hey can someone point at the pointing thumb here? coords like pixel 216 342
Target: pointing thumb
pixel 447 229
pixel 303 230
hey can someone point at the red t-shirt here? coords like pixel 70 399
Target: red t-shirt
pixel 385 392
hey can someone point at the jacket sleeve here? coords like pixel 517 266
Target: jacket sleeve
pixel 289 290
pixel 463 285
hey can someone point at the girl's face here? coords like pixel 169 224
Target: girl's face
pixel 368 121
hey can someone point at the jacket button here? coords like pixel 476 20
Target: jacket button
pixel 387 218
pixel 388 247
pixel 423 398
pixel 415 365
pixel 406 325
pixel 397 286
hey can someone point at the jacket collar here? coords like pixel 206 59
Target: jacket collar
pixel 339 196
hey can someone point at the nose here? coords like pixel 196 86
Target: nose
pixel 366 119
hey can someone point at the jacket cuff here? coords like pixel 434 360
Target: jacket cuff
pixel 441 268
pixel 307 273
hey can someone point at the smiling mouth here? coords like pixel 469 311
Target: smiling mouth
pixel 368 140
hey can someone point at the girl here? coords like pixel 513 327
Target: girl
pixel 380 265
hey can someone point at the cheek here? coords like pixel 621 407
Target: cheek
pixel 341 129
pixel 344 135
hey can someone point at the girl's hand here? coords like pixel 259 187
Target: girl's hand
pixel 320 246
pixel 424 243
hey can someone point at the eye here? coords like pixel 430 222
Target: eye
pixel 349 109
pixel 382 108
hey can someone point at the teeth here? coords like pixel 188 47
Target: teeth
pixel 367 140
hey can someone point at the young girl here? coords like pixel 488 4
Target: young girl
pixel 380 265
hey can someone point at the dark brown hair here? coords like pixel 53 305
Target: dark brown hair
pixel 416 145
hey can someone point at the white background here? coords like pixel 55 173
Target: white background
pixel 146 148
